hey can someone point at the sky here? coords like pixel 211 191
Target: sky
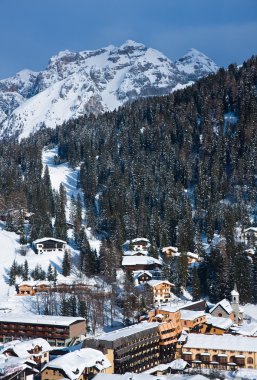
pixel 31 31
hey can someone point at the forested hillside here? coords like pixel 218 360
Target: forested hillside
pixel 177 169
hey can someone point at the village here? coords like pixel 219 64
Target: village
pixel 174 338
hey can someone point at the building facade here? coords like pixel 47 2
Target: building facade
pixel 226 352
pixel 56 330
pixel 48 244
pixel 131 349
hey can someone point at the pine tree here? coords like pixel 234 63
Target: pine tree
pixel 66 264
pixel 196 288
pixel 25 274
pixel 12 273
pixel 55 276
pixel 50 274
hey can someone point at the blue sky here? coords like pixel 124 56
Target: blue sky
pixel 31 31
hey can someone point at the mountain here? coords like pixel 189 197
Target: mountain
pixel 74 84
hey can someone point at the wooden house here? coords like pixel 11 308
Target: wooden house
pixel 142 277
pixel 162 290
pixel 170 251
pixel 48 244
pixel 136 263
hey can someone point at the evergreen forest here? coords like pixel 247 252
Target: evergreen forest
pixel 179 170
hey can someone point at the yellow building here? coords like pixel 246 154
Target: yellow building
pixel 220 351
pixel 166 313
pixel 78 365
pixel 192 320
pixel 216 325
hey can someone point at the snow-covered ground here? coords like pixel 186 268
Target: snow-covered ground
pixel 68 176
pixel 9 243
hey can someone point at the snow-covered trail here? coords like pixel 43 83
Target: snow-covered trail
pixel 61 173
pixel 64 174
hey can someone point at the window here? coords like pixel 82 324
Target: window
pixel 249 360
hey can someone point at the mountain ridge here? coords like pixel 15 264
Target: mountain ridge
pixel 78 83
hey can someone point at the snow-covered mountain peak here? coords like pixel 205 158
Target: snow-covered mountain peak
pixel 92 81
pixel 195 62
pixel 132 44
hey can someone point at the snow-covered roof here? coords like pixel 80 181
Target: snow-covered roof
pixel 21 348
pixel 225 304
pixel 34 283
pixel 138 240
pixel 248 329
pixel 40 319
pixel 133 252
pixel 48 238
pixel 219 322
pixel 254 229
pixel 246 373
pixel 74 363
pixel 234 293
pixel 168 308
pixel 137 274
pixel 173 249
pixel 139 260
pixel 191 315
pixel 154 283
pixel 225 342
pixel 147 375
pixel 127 331
pixel 10 365
pixel 193 255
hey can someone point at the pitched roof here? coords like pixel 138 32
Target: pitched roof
pixel 153 283
pixel 21 348
pixel 225 304
pixel 219 322
pixel 139 260
pixel 48 238
pixel 74 363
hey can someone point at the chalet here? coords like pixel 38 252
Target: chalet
pixel 162 290
pixel 57 330
pixel 141 277
pixel 135 263
pixel 134 348
pixel 77 365
pixel 176 366
pixel 226 352
pixel 17 368
pixel 31 288
pixel 216 325
pixel 249 236
pixel 192 320
pixel 27 288
pixel 170 251
pixel 139 252
pixel 137 244
pixel 34 349
pixel 192 257
pixel 48 244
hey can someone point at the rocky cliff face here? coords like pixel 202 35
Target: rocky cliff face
pixel 79 83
